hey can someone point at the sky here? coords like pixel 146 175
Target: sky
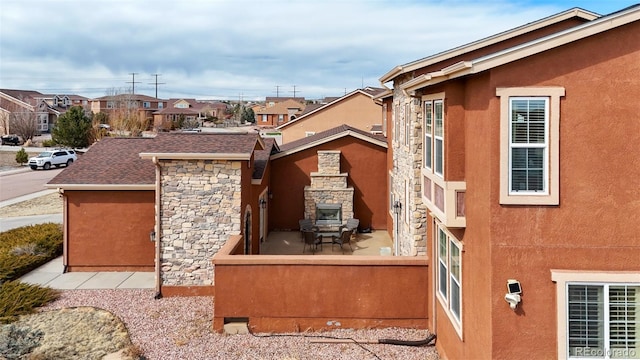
pixel 241 49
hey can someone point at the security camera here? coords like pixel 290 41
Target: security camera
pixel 513 300
pixel 513 293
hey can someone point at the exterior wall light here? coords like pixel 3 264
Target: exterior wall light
pixel 152 235
pixel 263 203
pixel 397 207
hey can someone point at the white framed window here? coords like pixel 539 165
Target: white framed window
pixel 598 314
pixel 529 145
pixel 146 104
pixel 407 197
pixel 433 131
pixel 280 118
pixel 111 104
pixel 449 275
pixel 264 118
pixel 160 105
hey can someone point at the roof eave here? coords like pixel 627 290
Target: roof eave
pixel 197 156
pixel 102 187
pixel 327 139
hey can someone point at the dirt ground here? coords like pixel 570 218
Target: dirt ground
pixel 8 158
pixel 43 205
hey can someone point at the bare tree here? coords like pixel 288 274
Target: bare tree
pixel 125 115
pixel 24 123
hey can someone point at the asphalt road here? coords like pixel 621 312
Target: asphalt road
pixel 23 183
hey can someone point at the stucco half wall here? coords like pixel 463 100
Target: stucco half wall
pixel 109 230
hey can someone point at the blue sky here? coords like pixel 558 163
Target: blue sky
pixel 249 49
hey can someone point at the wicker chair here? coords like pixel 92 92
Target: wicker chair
pixel 312 239
pixel 344 238
pixel 306 224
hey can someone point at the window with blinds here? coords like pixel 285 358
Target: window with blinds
pixel 434 136
pixel 603 321
pixel 428 134
pixel 449 275
pixel 528 144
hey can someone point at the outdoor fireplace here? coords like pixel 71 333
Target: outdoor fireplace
pixel 328 214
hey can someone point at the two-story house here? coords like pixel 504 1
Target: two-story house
pixel 121 106
pixel 357 109
pixel 279 113
pixel 513 165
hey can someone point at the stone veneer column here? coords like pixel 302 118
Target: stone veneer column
pixel 199 209
pixel 407 162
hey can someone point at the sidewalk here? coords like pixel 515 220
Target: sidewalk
pixel 51 275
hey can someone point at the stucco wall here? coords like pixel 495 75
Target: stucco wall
pixel 593 227
pixel 364 162
pixel 109 230
pixel 200 208
pixel 358 111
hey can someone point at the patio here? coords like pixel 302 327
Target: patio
pixel 290 243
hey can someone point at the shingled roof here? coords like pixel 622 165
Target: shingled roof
pixel 228 146
pixel 326 136
pixel 261 158
pixel 111 162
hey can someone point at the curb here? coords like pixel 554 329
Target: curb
pixel 17 171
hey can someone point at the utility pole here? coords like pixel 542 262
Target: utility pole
pixel 294 91
pixel 156 83
pixel 277 91
pixel 133 82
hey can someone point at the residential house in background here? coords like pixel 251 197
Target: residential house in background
pixel 189 110
pixel 33 105
pixel 279 113
pixel 140 106
pixel 357 109
pixel 513 165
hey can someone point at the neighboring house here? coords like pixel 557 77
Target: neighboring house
pixel 514 161
pixel 357 109
pixel 272 100
pixel 22 104
pixel 123 105
pixel 202 186
pixel 189 110
pixel 279 113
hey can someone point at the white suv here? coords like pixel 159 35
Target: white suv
pixel 53 157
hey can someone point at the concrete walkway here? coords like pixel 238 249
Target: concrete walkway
pixel 51 275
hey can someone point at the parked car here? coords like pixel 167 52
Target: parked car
pixel 56 158
pixel 11 139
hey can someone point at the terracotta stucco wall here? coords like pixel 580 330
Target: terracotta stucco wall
pixel 595 225
pixel 358 111
pixel 117 235
pixel 364 162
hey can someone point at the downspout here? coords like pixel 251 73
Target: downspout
pixel 65 232
pixel 156 228
pixel 434 276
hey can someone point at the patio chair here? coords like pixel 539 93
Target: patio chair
pixel 344 238
pixel 306 224
pixel 351 226
pixel 312 239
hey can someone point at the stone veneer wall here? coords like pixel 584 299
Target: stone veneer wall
pixel 199 209
pixel 407 164
pixel 328 186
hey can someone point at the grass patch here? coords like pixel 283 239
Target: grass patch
pixel 22 250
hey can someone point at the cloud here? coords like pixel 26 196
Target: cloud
pixel 228 48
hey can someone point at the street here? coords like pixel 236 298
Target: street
pixel 23 183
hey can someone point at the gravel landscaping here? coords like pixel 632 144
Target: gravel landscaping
pixel 180 328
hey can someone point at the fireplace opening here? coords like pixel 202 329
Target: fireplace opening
pixel 328 214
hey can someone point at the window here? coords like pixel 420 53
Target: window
pixel 146 104
pixel 264 118
pixel 603 321
pixel 111 104
pixel 597 314
pixel 433 156
pixel 309 133
pixel 449 275
pixel 407 201
pixel 391 197
pixel 280 118
pixel 529 143
pixel 160 105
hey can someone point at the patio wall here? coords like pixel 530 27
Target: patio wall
pixel 288 293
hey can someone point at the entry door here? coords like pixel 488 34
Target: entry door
pixel 263 215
